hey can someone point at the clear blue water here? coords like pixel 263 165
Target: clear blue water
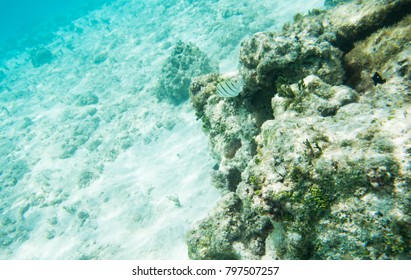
pixel 24 23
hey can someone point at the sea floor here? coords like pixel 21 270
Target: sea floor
pixel 91 165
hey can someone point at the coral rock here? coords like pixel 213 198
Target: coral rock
pixel 185 63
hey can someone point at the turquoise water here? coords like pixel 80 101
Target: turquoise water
pixel 26 22
pixel 91 163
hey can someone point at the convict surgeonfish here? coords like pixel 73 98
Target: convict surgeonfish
pixel 231 87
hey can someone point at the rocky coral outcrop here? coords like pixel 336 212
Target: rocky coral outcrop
pixel 315 44
pixel 329 163
pixel 320 177
pixel 390 58
pixel 231 123
pixel 357 20
pixel 229 230
pixel 185 62
pixel 40 57
pixel 268 56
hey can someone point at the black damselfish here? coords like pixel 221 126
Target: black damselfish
pixel 378 79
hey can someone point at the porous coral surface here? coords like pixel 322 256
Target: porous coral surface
pixel 185 62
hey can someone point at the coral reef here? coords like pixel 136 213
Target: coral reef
pixel 357 20
pixel 85 99
pixel 231 124
pixel 185 62
pixel 315 149
pixel 40 57
pixel 390 57
pixel 230 227
pixel 268 56
pixel 312 169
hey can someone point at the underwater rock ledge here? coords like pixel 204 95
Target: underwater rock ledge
pixel 315 156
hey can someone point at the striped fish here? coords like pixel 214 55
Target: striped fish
pixel 230 88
